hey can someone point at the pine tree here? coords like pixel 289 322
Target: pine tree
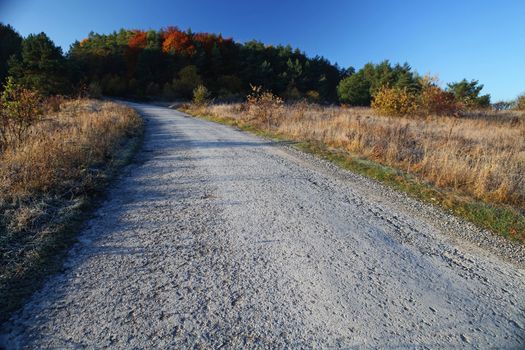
pixel 41 66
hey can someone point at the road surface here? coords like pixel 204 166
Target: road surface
pixel 219 239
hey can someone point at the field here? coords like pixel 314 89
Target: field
pixel 473 164
pixel 47 182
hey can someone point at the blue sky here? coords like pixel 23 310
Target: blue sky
pixel 481 39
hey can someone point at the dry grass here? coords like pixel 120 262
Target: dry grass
pixel 47 179
pixel 64 150
pixel 480 155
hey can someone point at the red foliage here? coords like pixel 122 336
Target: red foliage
pixel 139 40
pixel 207 41
pixel 434 100
pixel 175 40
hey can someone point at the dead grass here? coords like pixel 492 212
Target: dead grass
pixel 47 181
pixel 479 156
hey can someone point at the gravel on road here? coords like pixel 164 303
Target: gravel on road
pixel 217 238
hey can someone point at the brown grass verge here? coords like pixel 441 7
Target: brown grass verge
pixel 475 162
pixel 48 184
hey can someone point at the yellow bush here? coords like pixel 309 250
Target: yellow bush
pixel 312 96
pixel 395 102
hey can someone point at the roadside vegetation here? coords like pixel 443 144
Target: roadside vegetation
pixel 56 156
pixel 431 144
pixel 444 143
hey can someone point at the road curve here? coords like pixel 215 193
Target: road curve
pixel 217 238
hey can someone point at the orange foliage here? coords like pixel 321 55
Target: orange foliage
pixel 83 42
pixel 139 40
pixel 434 100
pixel 175 40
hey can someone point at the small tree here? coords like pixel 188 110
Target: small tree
pixel 263 105
pixel 19 109
pixel 520 103
pixel 468 93
pixel 201 95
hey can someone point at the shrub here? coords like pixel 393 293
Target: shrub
pixel 292 93
pixel 94 90
pixel 520 103
pixel 114 85
pixel 434 100
pixel 53 104
pixel 19 109
pixel 230 84
pixel 188 80
pixel 312 96
pixel 152 89
pixel 201 95
pixel 264 106
pixel 168 93
pixel 394 102
pixel 503 105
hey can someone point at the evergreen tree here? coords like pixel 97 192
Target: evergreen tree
pixel 468 92
pixel 10 45
pixel 41 66
pixel 355 90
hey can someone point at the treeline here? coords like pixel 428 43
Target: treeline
pixel 171 64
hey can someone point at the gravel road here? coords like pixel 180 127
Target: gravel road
pixel 217 238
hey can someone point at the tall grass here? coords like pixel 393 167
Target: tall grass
pixel 47 179
pixel 480 155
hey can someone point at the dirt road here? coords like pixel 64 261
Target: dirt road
pixel 219 239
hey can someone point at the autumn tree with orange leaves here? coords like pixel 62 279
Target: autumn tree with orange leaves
pixel 139 40
pixel 177 41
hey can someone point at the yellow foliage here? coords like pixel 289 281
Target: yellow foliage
pixel 395 102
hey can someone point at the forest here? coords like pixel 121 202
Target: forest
pixel 168 64
pixel 171 63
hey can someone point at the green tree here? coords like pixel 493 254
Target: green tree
pixel 468 92
pixel 520 103
pixel 355 90
pixel 10 44
pixel 359 88
pixel 41 66
pixel 201 95
pixel 187 81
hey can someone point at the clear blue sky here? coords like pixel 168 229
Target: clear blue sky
pixel 473 39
